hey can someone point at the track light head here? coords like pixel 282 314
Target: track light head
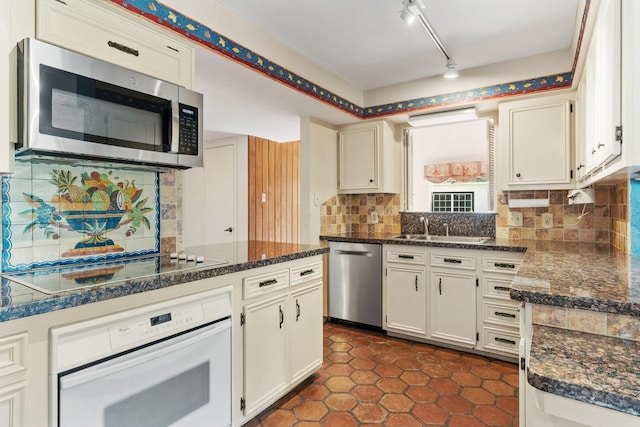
pixel 451 72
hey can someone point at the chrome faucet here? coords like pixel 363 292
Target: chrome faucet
pixel 426 225
pixel 446 228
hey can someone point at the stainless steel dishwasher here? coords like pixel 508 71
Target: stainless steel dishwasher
pixel 355 282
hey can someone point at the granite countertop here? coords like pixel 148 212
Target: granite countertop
pixel 21 301
pixel 595 369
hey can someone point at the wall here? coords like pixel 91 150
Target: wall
pixel 604 222
pixel 351 213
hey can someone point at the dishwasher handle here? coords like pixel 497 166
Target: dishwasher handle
pixel 357 253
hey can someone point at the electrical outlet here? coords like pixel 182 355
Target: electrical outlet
pixel 547 220
pixel 374 217
pixel 515 219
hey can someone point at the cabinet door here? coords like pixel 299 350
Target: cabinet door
pixel 406 300
pixel 112 34
pixel 358 156
pixel 12 405
pixel 305 319
pixel 266 360
pixel 452 307
pixel 539 141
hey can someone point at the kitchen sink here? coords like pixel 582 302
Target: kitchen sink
pixel 443 239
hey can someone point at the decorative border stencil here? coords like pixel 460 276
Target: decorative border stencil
pixel 62 214
pixel 161 14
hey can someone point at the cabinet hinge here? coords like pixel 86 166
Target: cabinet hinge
pixel 477 336
pixel 385 271
pixel 571 107
pixel 242 405
pixel 619 134
pixel 241 319
pixel 477 282
pixel 522 364
pixel 571 174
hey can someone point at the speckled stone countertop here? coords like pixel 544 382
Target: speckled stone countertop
pixel 587 276
pixel 596 369
pixel 21 301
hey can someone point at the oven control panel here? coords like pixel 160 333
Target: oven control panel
pixel 146 328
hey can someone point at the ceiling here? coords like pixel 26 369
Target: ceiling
pixel 367 44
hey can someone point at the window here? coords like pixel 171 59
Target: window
pixel 452 202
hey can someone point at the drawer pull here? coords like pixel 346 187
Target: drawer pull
pixel 281 316
pixel 504 340
pixel 453 261
pixel 501 314
pixel 123 48
pixel 402 256
pixel 307 272
pixel 267 283
pixel 502 288
pixel 503 265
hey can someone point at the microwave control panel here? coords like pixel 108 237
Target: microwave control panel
pixel 188 143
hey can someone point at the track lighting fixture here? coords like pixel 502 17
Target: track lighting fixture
pixel 411 10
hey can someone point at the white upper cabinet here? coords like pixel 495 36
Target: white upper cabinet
pixel 108 32
pixel 534 144
pixel 16 23
pixel 366 156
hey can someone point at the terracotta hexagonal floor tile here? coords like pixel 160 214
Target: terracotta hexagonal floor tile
pixel 493 415
pixel 444 386
pixel 381 347
pixel 477 396
pixel 339 419
pixel 321 376
pixel 422 348
pixel 279 418
pixel 498 388
pixel 502 366
pixel 465 421
pixel 340 346
pixel 308 424
pixel 414 378
pixel 508 404
pixel 404 352
pixel 314 392
pixel 310 410
pixel 367 393
pixel 446 353
pixel 402 420
pixel 339 369
pixel 387 370
pixel 395 402
pixel 360 342
pixel 455 404
pixel 364 377
pixel 362 363
pixel 512 379
pixel 339 384
pixel 430 413
pixel 474 359
pixel 370 413
pixel 421 394
pixel 436 371
pixel 290 400
pixel 410 364
pixel 466 379
pixel 339 337
pixel 392 385
pixel 456 365
pixel 384 357
pixel 485 372
pixel 339 357
pixel 340 402
pixel 361 352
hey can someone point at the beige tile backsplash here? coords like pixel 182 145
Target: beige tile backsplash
pixel 345 213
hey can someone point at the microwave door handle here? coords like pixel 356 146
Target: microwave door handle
pixel 175 127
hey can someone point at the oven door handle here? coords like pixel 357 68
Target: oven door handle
pixel 145 354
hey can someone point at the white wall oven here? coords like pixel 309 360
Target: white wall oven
pixel 167 364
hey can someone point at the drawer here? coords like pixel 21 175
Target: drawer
pixel 262 284
pixel 466 262
pixel 501 314
pixel 407 257
pixel 501 341
pixel 305 273
pixel 500 265
pixel 496 287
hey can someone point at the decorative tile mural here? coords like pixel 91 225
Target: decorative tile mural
pixel 58 214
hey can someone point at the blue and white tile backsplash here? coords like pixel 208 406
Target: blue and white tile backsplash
pixel 57 214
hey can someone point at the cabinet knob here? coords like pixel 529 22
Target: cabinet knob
pixel 518 175
pixel 371 181
pixel 600 145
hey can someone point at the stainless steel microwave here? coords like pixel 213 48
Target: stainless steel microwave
pixel 75 106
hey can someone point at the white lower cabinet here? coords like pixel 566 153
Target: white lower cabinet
pixel 266 358
pixel 13 374
pixel 452 307
pixel 281 320
pixel 12 404
pixel 456 297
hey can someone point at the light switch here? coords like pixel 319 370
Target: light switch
pixel 547 220
pixel 374 217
